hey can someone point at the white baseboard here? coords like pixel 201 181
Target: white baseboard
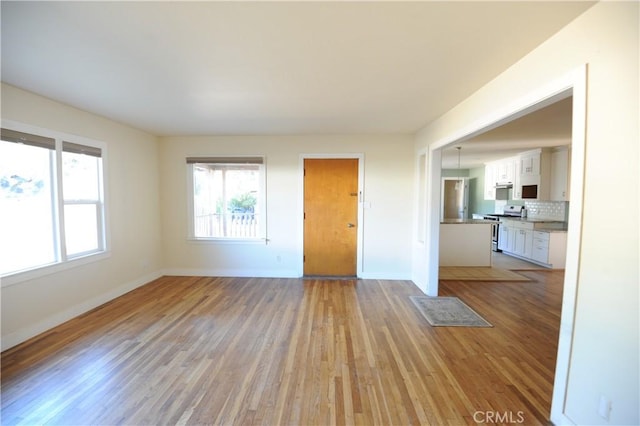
pixel 26 333
pixel 560 419
pixel 386 276
pixel 269 273
pixel 258 273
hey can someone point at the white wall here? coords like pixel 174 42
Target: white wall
pixel 147 212
pixel 605 352
pixel 32 306
pixel 388 186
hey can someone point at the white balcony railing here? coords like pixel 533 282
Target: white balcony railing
pixel 229 225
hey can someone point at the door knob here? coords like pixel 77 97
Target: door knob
pixel 350 225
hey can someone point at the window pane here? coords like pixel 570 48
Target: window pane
pixel 207 202
pixel 26 215
pixel 81 228
pixel 80 176
pixel 226 200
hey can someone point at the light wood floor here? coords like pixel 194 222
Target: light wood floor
pixel 504 261
pixel 485 273
pixel 288 351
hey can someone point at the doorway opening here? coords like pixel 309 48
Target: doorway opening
pixel 573 84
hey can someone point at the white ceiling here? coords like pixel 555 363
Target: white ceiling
pixel 193 68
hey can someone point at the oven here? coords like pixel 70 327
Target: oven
pixel 509 211
pixel 495 236
pixel 495 232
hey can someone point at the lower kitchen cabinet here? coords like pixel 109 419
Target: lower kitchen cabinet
pixel 550 248
pixel 515 237
pixel 546 248
pixel 540 247
pixel 524 242
pixel 503 239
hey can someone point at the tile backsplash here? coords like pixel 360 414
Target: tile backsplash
pixel 551 210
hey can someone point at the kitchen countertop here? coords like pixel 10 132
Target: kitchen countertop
pixel 543 225
pixel 543 229
pixel 532 220
pixel 546 225
pixel 465 221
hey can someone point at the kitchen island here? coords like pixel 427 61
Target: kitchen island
pixel 465 242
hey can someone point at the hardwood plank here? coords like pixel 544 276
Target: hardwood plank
pixel 194 350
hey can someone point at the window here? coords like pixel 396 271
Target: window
pixel 81 188
pixel 227 197
pixel 51 203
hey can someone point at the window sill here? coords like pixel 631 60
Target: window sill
pixel 41 271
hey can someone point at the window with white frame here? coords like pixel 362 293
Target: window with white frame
pixel 227 197
pixel 82 198
pixel 51 201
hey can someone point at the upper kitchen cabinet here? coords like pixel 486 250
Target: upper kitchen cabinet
pixel 535 175
pixel 530 163
pixel 517 187
pixel 489 182
pixel 501 172
pixel 504 171
pixel 540 174
pixel 560 174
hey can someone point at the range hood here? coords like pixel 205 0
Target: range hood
pixel 502 190
pixel 504 185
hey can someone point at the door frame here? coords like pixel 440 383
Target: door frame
pixel 573 83
pixel 361 198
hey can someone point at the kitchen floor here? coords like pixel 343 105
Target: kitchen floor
pixel 503 268
pixel 503 261
pixel 471 273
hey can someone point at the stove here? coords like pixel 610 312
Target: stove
pixel 508 211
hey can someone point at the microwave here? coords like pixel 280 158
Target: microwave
pixel 530 191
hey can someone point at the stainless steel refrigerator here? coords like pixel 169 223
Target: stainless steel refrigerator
pixel 455 198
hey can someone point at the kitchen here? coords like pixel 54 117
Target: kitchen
pixel 505 192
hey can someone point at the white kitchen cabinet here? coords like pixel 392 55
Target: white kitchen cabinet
pixel 503 239
pixel 518 237
pixel 542 170
pixel 523 242
pixel 489 182
pixel 540 249
pixel 556 248
pixel 504 170
pixel 506 240
pixel 498 172
pixel 560 174
pixel 535 174
pixel 516 193
pixel 530 163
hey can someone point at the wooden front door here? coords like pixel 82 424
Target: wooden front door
pixel 330 216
